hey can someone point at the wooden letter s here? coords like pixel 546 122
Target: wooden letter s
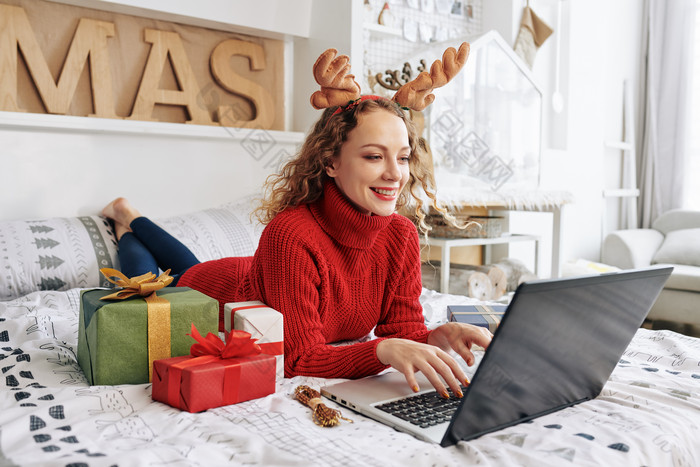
pixel 234 83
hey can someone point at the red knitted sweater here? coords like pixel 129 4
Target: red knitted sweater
pixel 335 274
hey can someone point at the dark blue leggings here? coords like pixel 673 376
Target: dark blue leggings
pixel 148 247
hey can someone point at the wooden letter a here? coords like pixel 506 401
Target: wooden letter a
pixel 150 94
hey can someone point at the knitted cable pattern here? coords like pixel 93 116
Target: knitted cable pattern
pixel 336 275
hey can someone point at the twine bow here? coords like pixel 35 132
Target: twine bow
pixel 238 344
pixel 321 413
pixel 143 285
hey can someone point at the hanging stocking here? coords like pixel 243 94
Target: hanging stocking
pixel 533 32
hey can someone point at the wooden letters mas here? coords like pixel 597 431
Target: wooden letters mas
pixel 89 45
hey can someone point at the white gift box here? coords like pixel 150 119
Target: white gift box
pixel 263 323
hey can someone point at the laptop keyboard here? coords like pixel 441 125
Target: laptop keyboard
pixel 423 410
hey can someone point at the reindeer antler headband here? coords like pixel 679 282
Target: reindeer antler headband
pixel 338 87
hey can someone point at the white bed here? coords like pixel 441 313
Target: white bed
pixel 648 413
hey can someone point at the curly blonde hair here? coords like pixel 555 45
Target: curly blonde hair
pixel 301 179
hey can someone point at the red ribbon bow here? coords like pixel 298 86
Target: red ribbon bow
pixel 238 344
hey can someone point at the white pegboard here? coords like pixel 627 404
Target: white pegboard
pixel 413 26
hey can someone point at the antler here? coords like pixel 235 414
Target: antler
pixel 337 86
pixel 417 94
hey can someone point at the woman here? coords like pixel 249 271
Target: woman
pixel 335 258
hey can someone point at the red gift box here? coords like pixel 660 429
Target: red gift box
pixel 215 374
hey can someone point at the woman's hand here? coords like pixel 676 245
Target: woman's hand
pixel 460 337
pixel 432 359
pixel 408 357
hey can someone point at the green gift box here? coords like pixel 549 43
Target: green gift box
pixel 113 339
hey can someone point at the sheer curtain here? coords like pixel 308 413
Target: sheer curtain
pixel 666 106
pixel 691 200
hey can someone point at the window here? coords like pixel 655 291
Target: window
pixel 692 182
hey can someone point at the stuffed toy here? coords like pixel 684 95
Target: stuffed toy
pixel 491 282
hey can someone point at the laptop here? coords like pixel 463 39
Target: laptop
pixel 556 346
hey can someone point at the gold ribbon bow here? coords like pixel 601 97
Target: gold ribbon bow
pixel 143 285
pixel 158 308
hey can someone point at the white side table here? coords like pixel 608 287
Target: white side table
pixel 539 201
pixel 446 244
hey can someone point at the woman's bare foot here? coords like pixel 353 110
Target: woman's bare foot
pixel 122 213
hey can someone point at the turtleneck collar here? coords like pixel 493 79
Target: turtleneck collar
pixel 342 221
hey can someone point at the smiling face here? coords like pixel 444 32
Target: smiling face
pixel 372 167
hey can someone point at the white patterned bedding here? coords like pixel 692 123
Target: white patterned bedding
pixel 648 413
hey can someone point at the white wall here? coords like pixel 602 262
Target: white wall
pixel 64 166
pixel 268 18
pixel 600 48
pixel 334 24
pixel 604 51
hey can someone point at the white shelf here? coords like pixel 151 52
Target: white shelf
pixel 438 241
pixel 67 123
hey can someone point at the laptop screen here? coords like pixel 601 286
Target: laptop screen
pixel 556 345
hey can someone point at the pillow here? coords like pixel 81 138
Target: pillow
pixel 680 247
pixel 219 232
pixel 65 253
pixel 54 254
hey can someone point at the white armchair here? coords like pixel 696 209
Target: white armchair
pixel 673 239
